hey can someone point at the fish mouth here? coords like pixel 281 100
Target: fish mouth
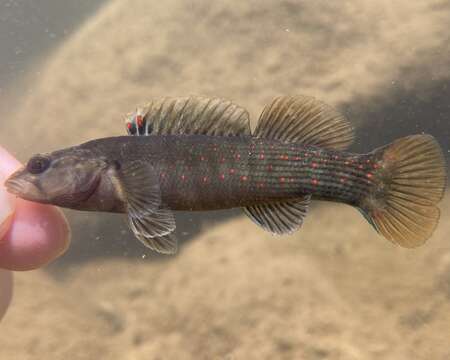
pixel 14 186
pixel 23 188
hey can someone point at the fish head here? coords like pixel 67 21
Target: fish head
pixel 63 178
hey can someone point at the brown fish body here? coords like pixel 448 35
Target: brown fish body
pixel 197 153
pixel 200 172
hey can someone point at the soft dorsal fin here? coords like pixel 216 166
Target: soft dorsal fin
pixel 188 116
pixel 280 217
pixel 305 120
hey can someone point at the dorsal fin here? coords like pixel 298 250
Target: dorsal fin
pixel 188 116
pixel 305 120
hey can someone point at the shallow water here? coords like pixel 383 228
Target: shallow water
pixel 334 290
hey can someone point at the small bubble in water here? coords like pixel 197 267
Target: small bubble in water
pixel 144 256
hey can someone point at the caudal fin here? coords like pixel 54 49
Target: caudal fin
pixel 409 181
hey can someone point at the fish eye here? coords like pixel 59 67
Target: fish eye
pixel 38 164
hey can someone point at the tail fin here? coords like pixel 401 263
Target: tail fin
pixel 410 180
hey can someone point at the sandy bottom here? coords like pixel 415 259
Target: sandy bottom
pixel 334 290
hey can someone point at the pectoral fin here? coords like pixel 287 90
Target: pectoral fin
pixel 150 223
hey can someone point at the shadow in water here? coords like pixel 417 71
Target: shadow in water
pixel 29 29
pixel 96 235
pixel 407 112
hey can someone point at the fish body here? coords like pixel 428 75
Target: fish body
pixel 199 154
pixel 200 172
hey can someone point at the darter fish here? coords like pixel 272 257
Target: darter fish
pixel 195 153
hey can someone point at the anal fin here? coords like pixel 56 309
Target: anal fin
pixel 280 217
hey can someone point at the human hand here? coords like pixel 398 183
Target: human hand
pixel 31 234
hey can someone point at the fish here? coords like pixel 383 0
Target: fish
pixel 198 154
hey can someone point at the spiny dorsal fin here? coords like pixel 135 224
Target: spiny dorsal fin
pixel 280 217
pixel 305 120
pixel 188 116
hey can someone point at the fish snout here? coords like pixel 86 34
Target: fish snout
pixel 21 185
pixel 14 186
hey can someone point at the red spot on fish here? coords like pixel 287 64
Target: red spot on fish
pixel 244 178
pixel 222 176
pixel 202 158
pixel 139 120
pixel 347 162
pixel 368 161
pixel 369 175
pixel 232 171
pixel 342 180
pixel 129 126
pixel 291 180
pixel 222 160
pixel 269 167
pixel 261 156
pixel 360 166
pixel 336 157
pixel 183 177
pixel 260 185
pixel 314 181
pixel 205 179
pixel 284 157
pixel 163 175
pixel 314 165
pixel 238 156
pixel 282 179
pixel 297 158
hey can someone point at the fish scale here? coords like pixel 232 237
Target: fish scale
pixel 197 173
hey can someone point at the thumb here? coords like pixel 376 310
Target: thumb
pixel 31 234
